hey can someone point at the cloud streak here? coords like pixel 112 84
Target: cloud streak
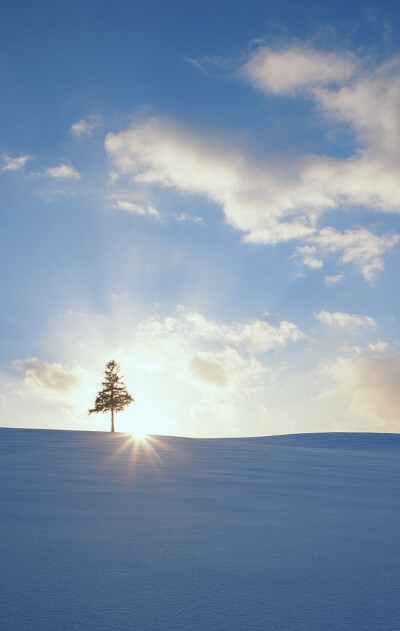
pixel 296 69
pixel 344 320
pixel 63 172
pixel 136 209
pixel 85 126
pixel 17 163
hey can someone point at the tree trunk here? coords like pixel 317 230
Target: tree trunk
pixel 112 420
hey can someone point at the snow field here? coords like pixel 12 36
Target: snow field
pixel 285 533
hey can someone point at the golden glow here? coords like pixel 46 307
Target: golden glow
pixel 145 455
pixel 139 433
pixel 145 417
pixel 133 424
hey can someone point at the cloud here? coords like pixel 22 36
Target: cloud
pixel 208 370
pixel 370 106
pixel 333 280
pixel 15 164
pixel 63 172
pixel 270 200
pixel 372 385
pixel 361 247
pixel 50 380
pixel 208 354
pixel 168 344
pixel 379 347
pixel 158 151
pixel 296 68
pixel 137 209
pixel 279 198
pixel 85 126
pixel 201 353
pixel 344 320
pixel 221 369
pixel 255 336
pixel 345 88
pixel 307 255
pixel 191 218
pixel 189 374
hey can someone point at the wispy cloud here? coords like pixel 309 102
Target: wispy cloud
pixel 333 280
pixel 255 336
pixel 137 209
pixel 63 172
pixel 17 163
pixel 185 217
pixel 360 247
pixel 379 347
pixel 307 255
pixel 297 68
pixel 344 320
pixel 86 126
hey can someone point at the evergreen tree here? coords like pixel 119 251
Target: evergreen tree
pixel 114 396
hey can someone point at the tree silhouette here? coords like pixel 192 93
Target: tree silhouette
pixel 114 396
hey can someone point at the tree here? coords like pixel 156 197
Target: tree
pixel 114 396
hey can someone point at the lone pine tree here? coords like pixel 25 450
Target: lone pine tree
pixel 114 396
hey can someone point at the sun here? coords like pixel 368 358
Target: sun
pixel 138 428
pixel 139 433
pixel 145 419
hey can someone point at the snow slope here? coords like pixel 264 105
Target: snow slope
pixel 278 533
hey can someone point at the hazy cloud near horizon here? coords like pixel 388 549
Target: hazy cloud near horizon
pixel 41 376
pixel 184 366
pixel 371 384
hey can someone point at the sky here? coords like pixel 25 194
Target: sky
pixel 209 194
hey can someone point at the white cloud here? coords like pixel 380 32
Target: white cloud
pixel 203 353
pixel 344 88
pixel 158 151
pixel 15 164
pixel 297 68
pixel 50 380
pixel 85 126
pixel 344 320
pixel 137 209
pixel 371 384
pixel 185 217
pixel 281 198
pixel 307 255
pixel 371 106
pixel 379 347
pixel 361 247
pixel 270 200
pixel 63 172
pixel 333 280
pixel 351 350
pixel 255 336
pixel 173 360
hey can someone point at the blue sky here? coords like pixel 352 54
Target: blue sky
pixel 208 193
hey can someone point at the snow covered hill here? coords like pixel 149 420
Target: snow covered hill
pixel 283 533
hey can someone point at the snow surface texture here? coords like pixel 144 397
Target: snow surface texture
pixel 283 533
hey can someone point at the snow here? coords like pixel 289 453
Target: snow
pixel 276 533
